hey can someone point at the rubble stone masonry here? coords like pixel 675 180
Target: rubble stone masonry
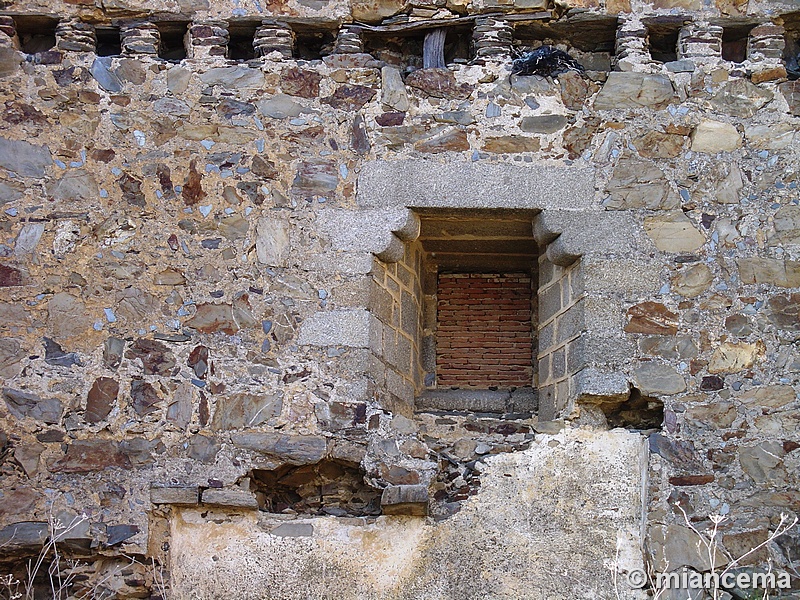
pixel 233 367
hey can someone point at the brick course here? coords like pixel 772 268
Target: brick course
pixel 484 332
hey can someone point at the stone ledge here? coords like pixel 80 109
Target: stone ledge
pixel 381 232
pixel 521 400
pixel 186 495
pixel 231 498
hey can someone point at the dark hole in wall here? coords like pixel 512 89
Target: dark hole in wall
pixel 240 44
pixel 637 412
pixel 663 38
pixel 405 49
pixel 734 42
pixel 328 487
pixel 36 33
pixel 588 41
pixel 108 41
pixel 173 40
pixel 582 31
pixel 457 45
pixel 313 44
pixel 401 50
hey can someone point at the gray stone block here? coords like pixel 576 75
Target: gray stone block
pixel 405 500
pixel 488 401
pixel 634 90
pixel 595 386
pixel 550 301
pixel 570 323
pixel 621 276
pixel 544 369
pixel 293 530
pixel 231 498
pixel 426 183
pixel 547 336
pixel 547 402
pixel 28 535
pixel 187 495
pixel 336 328
pixel 524 400
pixel 381 232
pixel 657 379
pixel 559 364
pixel 293 449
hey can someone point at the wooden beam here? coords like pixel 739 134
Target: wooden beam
pixel 433 49
pixel 436 23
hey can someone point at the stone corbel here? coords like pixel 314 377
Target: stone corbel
pixel 569 235
pixel 594 238
pixel 381 232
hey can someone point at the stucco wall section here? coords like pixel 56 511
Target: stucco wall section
pixel 543 526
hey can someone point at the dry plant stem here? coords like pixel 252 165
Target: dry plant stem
pixel 712 546
pixel 58 583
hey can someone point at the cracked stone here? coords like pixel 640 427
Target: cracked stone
pixel 101 400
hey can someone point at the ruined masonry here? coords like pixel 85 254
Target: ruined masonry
pixel 314 299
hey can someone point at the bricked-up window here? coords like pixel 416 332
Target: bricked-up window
pixel 484 330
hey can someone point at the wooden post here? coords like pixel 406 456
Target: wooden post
pixel 433 49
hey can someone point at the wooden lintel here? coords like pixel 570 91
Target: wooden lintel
pixel 437 23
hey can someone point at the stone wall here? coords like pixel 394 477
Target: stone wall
pixel 211 268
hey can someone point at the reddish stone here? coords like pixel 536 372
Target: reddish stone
pixel 131 190
pixel 578 139
pixel 778 72
pixel 399 476
pixel 144 397
pixel 84 456
pixel 390 119
pixel 359 141
pixel 17 502
pixel 156 357
pixel 102 155
pixel 299 82
pixel 101 399
pixel 574 89
pixel 9 276
pixel 652 318
pixel 691 480
pixel 350 97
pixel 712 383
pixel 193 189
pixel 784 311
pixel 202 410
pixel 198 361
pixel 263 167
pixel 439 83
pixel 790 446
pixel 791 91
